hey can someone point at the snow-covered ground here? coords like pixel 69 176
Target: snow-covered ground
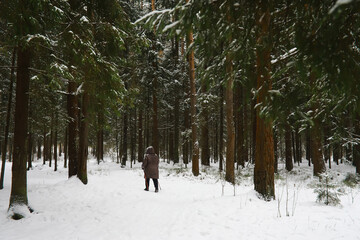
pixel 113 205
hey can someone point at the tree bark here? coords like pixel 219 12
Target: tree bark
pixel 356 157
pixel 316 139
pixel 288 158
pixel 8 116
pixel 140 137
pixel 19 179
pixel 195 150
pixel 276 156
pixel 38 148
pixel 308 146
pixel 124 143
pixel 72 109
pixel 239 125
pixel 66 147
pixel 155 130
pixel 221 131
pixel 264 146
pixel 83 137
pixel 55 142
pixel 298 146
pixel 30 139
pixel 205 149
pixel 230 128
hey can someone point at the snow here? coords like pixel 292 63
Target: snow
pixel 113 205
pixel 338 4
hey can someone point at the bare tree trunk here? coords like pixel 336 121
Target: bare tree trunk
pixel 298 146
pixel 45 146
pixel 55 141
pixel 221 133
pixel 133 137
pixel 316 147
pixel 316 143
pixel 239 125
pixel 30 138
pixel 155 133
pixel 83 137
pixel 72 108
pixel 51 138
pixel 19 179
pixel 254 121
pixel 66 147
pixel 264 153
pixel 246 129
pixel 8 116
pixel 204 125
pixel 230 128
pixel 124 143
pixel 140 137
pixel 288 158
pixel 185 137
pixel 195 150
pixel 276 156
pixel 38 148
pixel 308 146
pixel 356 158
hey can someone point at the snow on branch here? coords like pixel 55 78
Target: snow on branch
pixel 148 16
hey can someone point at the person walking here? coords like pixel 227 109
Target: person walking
pixel 150 166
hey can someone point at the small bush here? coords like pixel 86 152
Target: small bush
pixel 351 180
pixel 326 191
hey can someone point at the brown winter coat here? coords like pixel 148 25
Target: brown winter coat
pixel 150 164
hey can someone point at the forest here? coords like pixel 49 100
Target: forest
pixel 225 83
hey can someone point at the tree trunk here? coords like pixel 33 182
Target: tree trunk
pixel 316 140
pixel 72 109
pixel 55 142
pixel 185 137
pixel 38 148
pixel 246 129
pixel 124 143
pixel 288 153
pixel 221 131
pixel 276 156
pixel 155 130
pixel 140 137
pixel 195 150
pixel 308 146
pixel 264 146
pixel 293 146
pixel 30 139
pixel 176 128
pixel 8 116
pixel 254 121
pixel 205 149
pixel 66 147
pixel 83 137
pixel 316 147
pixel 133 138
pixel 100 136
pixel 298 146
pixel 51 138
pixel 239 125
pixel 230 128
pixel 19 180
pixel 336 152
pixel 356 157
pixel 45 146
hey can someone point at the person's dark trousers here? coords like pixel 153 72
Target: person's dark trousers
pixel 156 183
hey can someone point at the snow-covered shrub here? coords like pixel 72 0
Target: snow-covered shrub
pixel 326 190
pixel 351 180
